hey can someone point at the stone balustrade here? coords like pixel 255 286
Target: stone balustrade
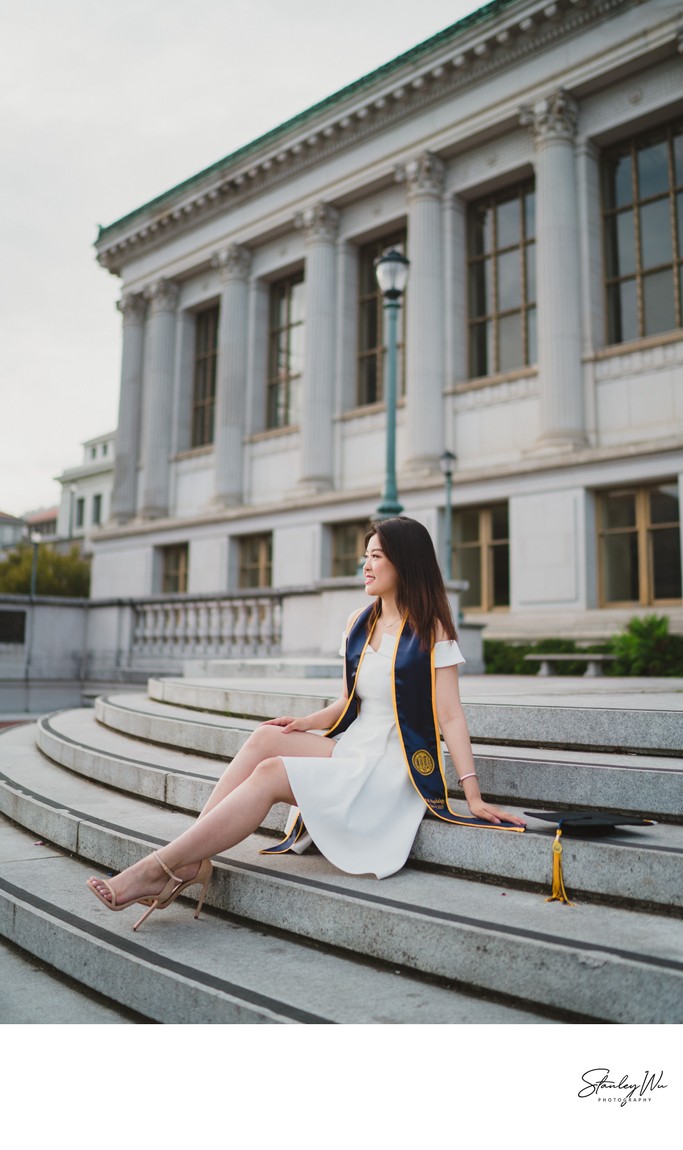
pixel 178 628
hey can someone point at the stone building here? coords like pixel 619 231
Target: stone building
pixel 86 491
pixel 529 162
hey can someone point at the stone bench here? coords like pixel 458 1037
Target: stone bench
pixel 594 663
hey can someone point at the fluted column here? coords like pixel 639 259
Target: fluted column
pixel 553 123
pixel 163 301
pixel 231 378
pixel 424 178
pixel 321 224
pixel 124 493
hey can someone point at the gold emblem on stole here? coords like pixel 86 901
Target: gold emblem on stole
pixel 423 762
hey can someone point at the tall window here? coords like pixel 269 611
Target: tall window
pixel 80 512
pixel 640 545
pixel 501 272
pixel 348 545
pixel 97 510
pixel 643 229
pixel 371 324
pixel 286 351
pixel 256 560
pixel 175 562
pixel 204 389
pixel 481 555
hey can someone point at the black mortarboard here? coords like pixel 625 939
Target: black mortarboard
pixel 580 824
pixel 588 822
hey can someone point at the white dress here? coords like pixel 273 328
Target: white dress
pixel 360 806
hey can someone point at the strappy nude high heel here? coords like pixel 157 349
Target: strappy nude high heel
pixel 167 896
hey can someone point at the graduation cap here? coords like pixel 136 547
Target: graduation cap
pixel 588 822
pixel 580 824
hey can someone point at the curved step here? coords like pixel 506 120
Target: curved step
pixel 599 718
pixel 237 975
pixel 649 873
pixel 437 925
pixel 628 784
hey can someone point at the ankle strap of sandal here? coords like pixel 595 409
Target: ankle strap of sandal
pixel 162 864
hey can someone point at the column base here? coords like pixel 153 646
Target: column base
pixel 146 513
pixel 314 486
pixel 557 445
pixel 227 501
pixel 422 467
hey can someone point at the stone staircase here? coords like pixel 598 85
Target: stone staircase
pixel 463 934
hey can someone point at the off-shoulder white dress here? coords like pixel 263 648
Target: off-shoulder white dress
pixel 360 806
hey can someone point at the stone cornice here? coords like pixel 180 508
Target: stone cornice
pixel 504 34
pixel 552 464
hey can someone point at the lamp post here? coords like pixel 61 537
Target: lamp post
pixel 391 270
pixel 72 495
pixel 446 464
pixel 35 543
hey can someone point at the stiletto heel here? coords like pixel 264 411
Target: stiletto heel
pixel 203 877
pixel 166 896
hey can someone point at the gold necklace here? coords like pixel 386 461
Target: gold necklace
pixel 396 620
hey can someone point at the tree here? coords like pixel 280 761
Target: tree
pixel 63 575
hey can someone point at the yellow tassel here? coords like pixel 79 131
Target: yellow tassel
pixel 559 893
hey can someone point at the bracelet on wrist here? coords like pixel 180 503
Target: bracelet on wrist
pixel 471 775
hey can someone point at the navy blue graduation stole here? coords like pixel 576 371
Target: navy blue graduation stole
pixel 414 698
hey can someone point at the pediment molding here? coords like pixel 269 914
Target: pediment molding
pixel 469 58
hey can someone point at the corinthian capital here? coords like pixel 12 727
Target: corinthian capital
pixel 163 296
pixel 232 262
pixel 132 306
pixel 321 222
pixel 554 118
pixel 424 176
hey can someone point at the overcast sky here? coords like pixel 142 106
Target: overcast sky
pixel 104 104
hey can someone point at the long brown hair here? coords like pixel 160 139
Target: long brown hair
pixel 420 594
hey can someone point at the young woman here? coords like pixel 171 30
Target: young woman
pixel 361 771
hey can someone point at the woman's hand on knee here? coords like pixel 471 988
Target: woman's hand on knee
pixel 287 724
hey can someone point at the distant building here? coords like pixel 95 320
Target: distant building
pixel 529 162
pixel 12 531
pixel 43 522
pixel 86 491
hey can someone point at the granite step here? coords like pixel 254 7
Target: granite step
pixel 641 866
pixel 494 941
pixel 630 784
pixel 571 717
pixel 215 970
pixel 652 874
pixel 275 667
pixel 32 991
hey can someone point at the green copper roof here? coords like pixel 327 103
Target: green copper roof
pixel 479 16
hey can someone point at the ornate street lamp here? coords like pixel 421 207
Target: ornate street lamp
pixel 446 463
pixel 35 539
pixel 391 270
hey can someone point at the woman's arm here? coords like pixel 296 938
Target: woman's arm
pixel 453 726
pixel 318 721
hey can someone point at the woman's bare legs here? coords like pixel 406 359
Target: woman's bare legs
pixel 264 743
pixel 225 821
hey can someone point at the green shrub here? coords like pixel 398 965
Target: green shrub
pixel 61 575
pixel 646 648
pixel 502 658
